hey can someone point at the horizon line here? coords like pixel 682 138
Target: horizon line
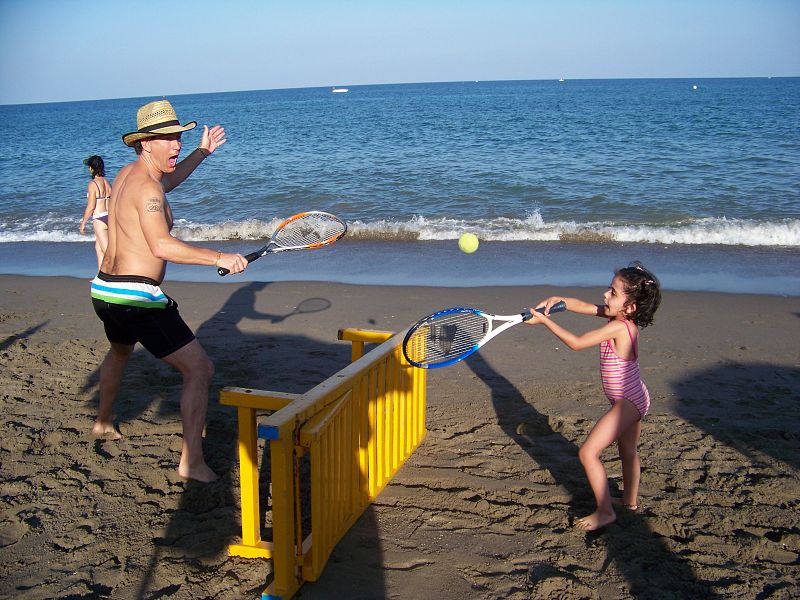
pixel 357 85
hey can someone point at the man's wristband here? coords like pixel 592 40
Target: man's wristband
pixel 219 257
pixel 202 151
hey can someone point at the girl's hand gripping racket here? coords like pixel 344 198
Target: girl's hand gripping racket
pixel 452 334
pixel 303 231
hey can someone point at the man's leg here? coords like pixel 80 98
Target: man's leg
pixel 110 378
pixel 197 370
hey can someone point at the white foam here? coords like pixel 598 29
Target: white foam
pixel 722 231
pixel 45 236
pixel 251 229
pixel 532 227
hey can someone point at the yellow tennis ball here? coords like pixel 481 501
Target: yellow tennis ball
pixel 468 242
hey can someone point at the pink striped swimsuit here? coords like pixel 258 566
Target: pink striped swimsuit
pixel 621 378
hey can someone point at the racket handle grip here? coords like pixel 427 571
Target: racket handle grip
pixel 560 306
pixel 248 257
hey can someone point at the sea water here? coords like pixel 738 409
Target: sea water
pixel 562 181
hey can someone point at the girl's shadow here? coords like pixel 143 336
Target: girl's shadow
pixel 636 550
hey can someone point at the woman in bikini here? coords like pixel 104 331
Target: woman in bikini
pixel 629 303
pixel 98 194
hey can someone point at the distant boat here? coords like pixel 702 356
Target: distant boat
pixel 561 79
pixel 339 90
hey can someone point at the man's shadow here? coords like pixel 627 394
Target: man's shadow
pixel 207 518
pixel 636 549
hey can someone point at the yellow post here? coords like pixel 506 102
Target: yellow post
pixel 248 477
pixel 359 337
pixel 364 432
pixel 372 433
pixel 380 431
pixel 248 402
pixel 286 571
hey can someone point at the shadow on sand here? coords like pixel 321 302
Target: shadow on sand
pixel 206 518
pixel 752 407
pixel 635 549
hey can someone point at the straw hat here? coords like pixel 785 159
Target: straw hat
pixel 156 118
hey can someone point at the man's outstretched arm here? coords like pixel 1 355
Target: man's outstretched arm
pixel 212 139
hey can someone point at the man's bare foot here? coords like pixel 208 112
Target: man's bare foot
pixel 621 502
pixel 106 431
pixel 595 521
pixel 202 473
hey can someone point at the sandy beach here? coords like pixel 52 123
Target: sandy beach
pixel 483 509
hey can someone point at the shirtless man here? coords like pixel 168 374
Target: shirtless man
pixel 126 293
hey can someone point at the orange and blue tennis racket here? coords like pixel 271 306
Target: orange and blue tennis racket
pixel 303 231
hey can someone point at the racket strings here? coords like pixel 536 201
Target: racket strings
pixel 446 337
pixel 313 229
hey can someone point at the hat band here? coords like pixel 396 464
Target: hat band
pixel 158 126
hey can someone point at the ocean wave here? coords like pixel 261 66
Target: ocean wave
pixel 721 231
pixel 716 231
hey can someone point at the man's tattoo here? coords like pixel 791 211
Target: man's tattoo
pixel 154 205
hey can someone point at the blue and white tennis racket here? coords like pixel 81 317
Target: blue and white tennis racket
pixel 452 334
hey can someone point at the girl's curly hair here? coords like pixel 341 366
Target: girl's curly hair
pixel 642 289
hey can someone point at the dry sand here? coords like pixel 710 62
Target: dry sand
pixel 484 508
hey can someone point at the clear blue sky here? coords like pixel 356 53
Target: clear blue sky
pixel 57 50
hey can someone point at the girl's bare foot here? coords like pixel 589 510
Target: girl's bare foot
pixel 106 431
pixel 621 502
pixel 595 521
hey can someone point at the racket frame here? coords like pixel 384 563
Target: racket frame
pixel 506 322
pixel 273 247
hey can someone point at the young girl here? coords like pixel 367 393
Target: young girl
pixel 630 301
pixel 97 196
